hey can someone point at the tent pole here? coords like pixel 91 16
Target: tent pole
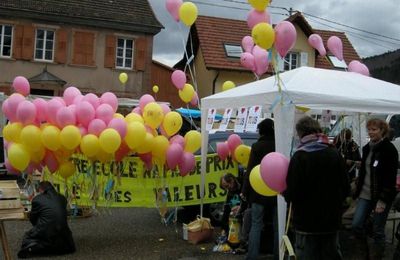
pixel 204 151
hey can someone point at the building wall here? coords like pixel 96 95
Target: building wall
pixel 97 78
pixel 303 46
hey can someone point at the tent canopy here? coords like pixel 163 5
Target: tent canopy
pixel 316 89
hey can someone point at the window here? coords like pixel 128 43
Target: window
pixel 5 40
pixel 233 51
pixel 291 61
pixel 44 45
pixel 338 64
pixel 124 53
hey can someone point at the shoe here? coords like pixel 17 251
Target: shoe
pixel 24 253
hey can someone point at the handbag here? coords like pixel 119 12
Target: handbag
pixel 200 230
pixel 286 245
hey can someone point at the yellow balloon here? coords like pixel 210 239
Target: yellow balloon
pixel 153 115
pixel 172 123
pixel 258 184
pixel 155 89
pixel 133 117
pixel 259 5
pixel 90 145
pixel 135 134
pixel 70 137
pixel 66 169
pixel 263 35
pixel 186 94
pixel 104 157
pixel 110 140
pixel 12 131
pixel 31 137
pixel 118 115
pixel 160 146
pixel 188 13
pixel 18 156
pixel 37 156
pixel 242 154
pixel 192 141
pixel 228 85
pixel 51 137
pixel 147 145
pixel 123 77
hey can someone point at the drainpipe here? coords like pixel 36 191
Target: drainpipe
pixel 214 81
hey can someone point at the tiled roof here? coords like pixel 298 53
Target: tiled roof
pixel 210 33
pixel 128 15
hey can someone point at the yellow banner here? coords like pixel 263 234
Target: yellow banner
pixel 128 184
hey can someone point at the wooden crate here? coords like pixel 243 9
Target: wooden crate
pixel 9 195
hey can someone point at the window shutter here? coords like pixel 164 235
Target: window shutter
pixel 61 46
pixel 28 42
pixel 83 49
pixel 303 59
pixel 109 56
pixel 140 54
pixel 17 42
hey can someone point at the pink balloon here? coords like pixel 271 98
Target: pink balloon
pixel 195 99
pixel 273 169
pixel 12 105
pixel 52 109
pixel 316 42
pixel 65 116
pixel 247 43
pixel 78 99
pixel 85 113
pixel 92 99
pixel 261 60
pixel 223 150
pixel 21 85
pixel 247 61
pixel 144 100
pixel 119 125
pixel 165 108
pixel 105 112
pixel 177 139
pixel 4 108
pixel 41 108
pixel 61 100
pixel 146 158
pixel 122 151
pixel 73 108
pixel 187 164
pixel 26 112
pixel 137 110
pixel 96 126
pixel 111 99
pixel 174 155
pixel 178 78
pixel 162 131
pixel 173 8
pixel 234 141
pixel 32 167
pixel 51 162
pixel 10 168
pixel 83 130
pixel 358 67
pixel 335 46
pixel 285 37
pixel 70 94
pixel 255 17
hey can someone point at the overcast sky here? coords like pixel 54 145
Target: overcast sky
pixel 379 17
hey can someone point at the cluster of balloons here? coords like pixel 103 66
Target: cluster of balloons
pixel 46 133
pixel 186 12
pixel 235 148
pixel 186 91
pixel 269 178
pixel 264 37
pixel 335 46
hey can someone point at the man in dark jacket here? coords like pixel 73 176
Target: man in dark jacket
pixel 317 184
pixel 50 233
pixel 260 205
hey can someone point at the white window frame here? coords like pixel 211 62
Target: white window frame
pixel 2 32
pixel 287 61
pixel 336 63
pixel 124 57
pixel 232 50
pixel 43 58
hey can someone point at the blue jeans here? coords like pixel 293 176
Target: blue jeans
pixel 257 223
pixel 317 246
pixel 363 211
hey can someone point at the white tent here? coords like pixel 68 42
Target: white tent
pixel 308 87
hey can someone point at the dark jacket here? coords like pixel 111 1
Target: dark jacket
pixel 383 167
pixel 317 185
pixel 50 233
pixel 263 146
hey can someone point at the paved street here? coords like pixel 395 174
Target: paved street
pixel 130 233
